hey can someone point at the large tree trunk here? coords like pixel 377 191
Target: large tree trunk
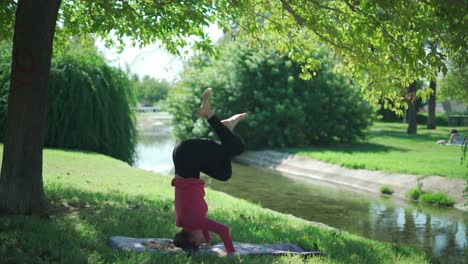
pixel 412 111
pixel 21 188
pixel 431 116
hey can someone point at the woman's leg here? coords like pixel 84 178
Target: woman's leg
pixel 195 155
pixel 212 158
pixel 208 156
pixel 230 142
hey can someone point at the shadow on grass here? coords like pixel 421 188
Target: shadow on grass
pixel 420 137
pixel 80 223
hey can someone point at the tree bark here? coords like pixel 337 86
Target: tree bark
pixel 21 187
pixel 431 116
pixel 412 111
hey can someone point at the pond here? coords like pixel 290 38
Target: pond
pixel 441 232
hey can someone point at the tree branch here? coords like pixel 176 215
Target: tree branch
pixel 303 22
pixel 125 2
pixel 326 7
pixel 375 22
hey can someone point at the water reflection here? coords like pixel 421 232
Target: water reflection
pixel 154 152
pixel 440 232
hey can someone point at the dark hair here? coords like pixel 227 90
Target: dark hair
pixel 182 240
pixel 453 130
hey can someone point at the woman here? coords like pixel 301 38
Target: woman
pixel 455 137
pixel 212 158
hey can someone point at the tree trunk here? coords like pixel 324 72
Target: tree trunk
pixel 412 111
pixel 21 187
pixel 431 116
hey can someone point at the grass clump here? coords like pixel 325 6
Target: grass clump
pixel 438 199
pixel 386 190
pixel 93 197
pixel 414 194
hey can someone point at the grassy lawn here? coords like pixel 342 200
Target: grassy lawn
pixel 390 149
pixel 93 197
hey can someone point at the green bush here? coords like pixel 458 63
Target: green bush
pixel 90 104
pixel 414 193
pixel 438 199
pixel 386 190
pixel 284 110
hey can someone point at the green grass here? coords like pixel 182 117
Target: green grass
pixel 414 194
pixel 438 199
pixel 390 149
pixel 93 197
pixel 386 190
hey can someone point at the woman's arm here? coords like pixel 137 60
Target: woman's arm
pixel 222 231
pixel 207 236
pixel 451 138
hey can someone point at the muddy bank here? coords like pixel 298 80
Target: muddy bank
pixel 367 180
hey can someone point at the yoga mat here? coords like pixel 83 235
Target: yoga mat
pixel 166 245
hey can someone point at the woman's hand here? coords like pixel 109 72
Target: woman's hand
pixel 205 244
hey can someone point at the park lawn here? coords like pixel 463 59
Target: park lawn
pixel 389 148
pixel 93 197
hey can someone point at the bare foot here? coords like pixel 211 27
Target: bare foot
pixel 233 120
pixel 205 108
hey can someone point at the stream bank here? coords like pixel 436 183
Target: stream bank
pixel 367 180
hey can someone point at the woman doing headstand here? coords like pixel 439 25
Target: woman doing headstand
pixel 212 158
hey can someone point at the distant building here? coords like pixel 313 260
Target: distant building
pixel 147 108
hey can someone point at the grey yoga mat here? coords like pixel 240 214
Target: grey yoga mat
pixel 165 245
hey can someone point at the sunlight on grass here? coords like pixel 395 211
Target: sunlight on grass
pixel 390 149
pixel 93 197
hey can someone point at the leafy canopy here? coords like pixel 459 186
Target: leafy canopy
pixel 383 44
pixel 173 23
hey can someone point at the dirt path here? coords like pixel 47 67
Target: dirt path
pixel 367 180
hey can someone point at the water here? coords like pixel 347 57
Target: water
pixel 441 232
pixel 155 153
